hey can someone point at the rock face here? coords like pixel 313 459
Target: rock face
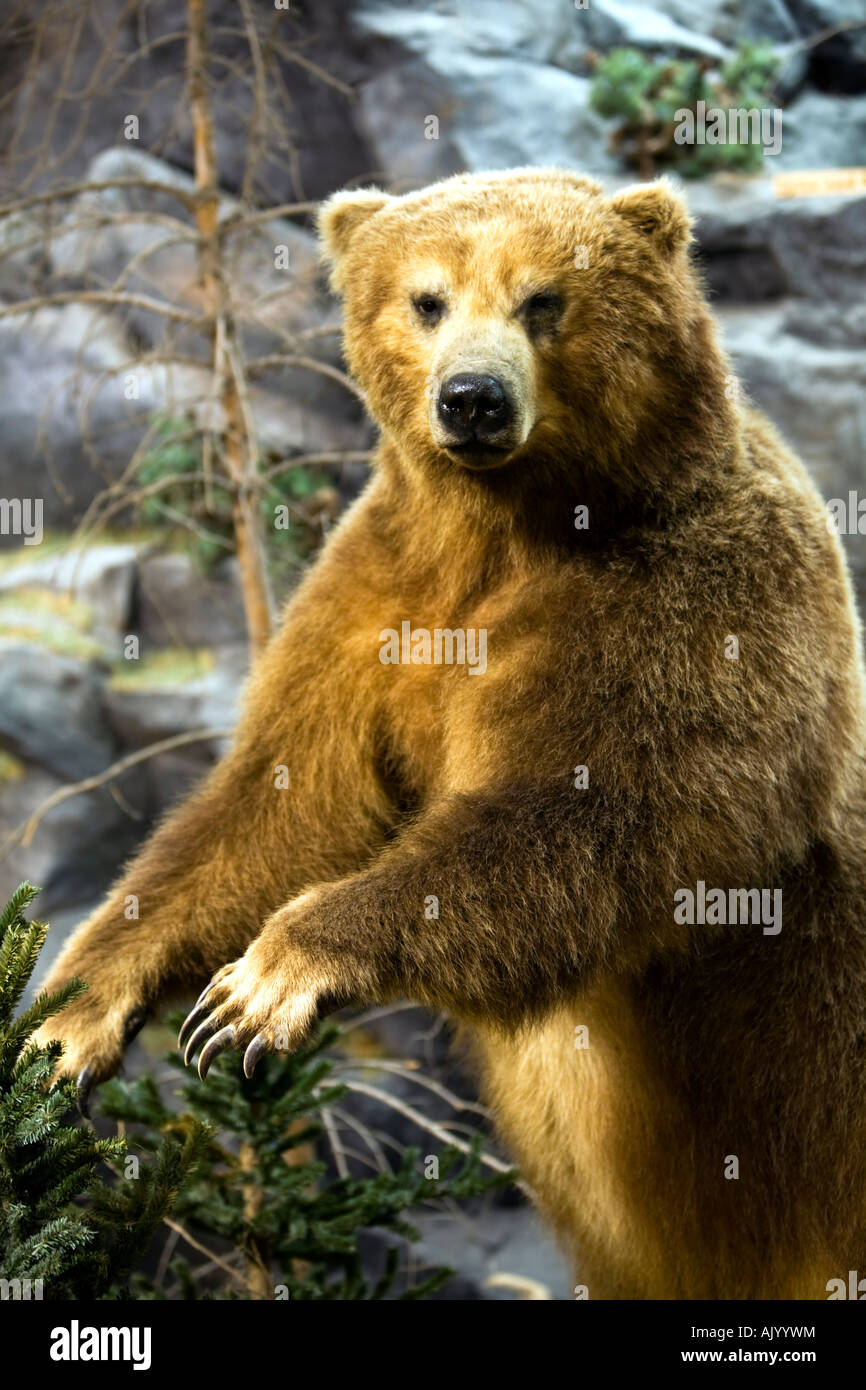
pixel 50 711
pixel 178 606
pixel 513 90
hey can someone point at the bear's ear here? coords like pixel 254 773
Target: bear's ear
pixel 658 212
pixel 342 215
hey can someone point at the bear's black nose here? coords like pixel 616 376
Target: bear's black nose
pixel 474 409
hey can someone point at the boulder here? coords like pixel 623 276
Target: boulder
pixel 821 131
pixel 394 110
pixel 101 575
pixel 55 363
pixel 51 711
pixel 180 606
pixel 620 24
pixel 755 246
pixel 75 852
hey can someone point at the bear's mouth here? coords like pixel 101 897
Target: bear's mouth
pixel 479 457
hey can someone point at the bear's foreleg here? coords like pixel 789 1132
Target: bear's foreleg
pixel 491 907
pixel 273 817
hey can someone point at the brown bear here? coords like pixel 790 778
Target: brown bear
pixel 572 705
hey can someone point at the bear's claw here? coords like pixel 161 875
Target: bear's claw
pixel 218 1043
pixel 195 1016
pixel 85 1086
pixel 203 1032
pixel 268 998
pixel 257 1047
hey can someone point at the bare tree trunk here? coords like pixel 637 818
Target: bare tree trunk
pixel 258 1260
pixel 240 454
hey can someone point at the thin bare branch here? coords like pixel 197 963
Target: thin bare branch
pixel 438 1131
pixel 337 1149
pixel 131 301
pixel 237 219
pixel 72 190
pixel 203 1250
pixel 364 1132
pixel 419 1078
pixel 24 834
pixel 309 364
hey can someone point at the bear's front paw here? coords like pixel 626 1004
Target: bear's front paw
pixel 94 1036
pixel 257 1003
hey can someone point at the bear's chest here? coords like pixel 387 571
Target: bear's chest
pixel 470 698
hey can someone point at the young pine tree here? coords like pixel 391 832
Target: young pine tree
pixel 68 1227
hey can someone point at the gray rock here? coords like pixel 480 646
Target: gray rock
pixel 273 305
pixel 496 1249
pixel 730 23
pixel 50 363
pixel 75 851
pixel 51 711
pixel 820 131
pixel 139 718
pixel 146 715
pixel 507 99
pixel 179 606
pixel 394 110
pixel 506 111
pixel 479 27
pixel 86 248
pixel 103 576
pixel 758 247
pixel 617 23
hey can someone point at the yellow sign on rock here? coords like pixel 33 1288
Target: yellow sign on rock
pixel 810 183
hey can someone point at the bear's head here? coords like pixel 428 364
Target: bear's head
pixel 525 324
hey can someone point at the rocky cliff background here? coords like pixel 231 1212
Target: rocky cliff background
pixel 509 83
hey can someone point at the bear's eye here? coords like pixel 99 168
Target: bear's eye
pixel 542 308
pixel 428 307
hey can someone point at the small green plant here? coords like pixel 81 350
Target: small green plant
pixel 281 1228
pixel 645 95
pixel 216 1192
pixel 177 496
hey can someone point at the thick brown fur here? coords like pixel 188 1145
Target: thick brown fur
pixel 606 648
